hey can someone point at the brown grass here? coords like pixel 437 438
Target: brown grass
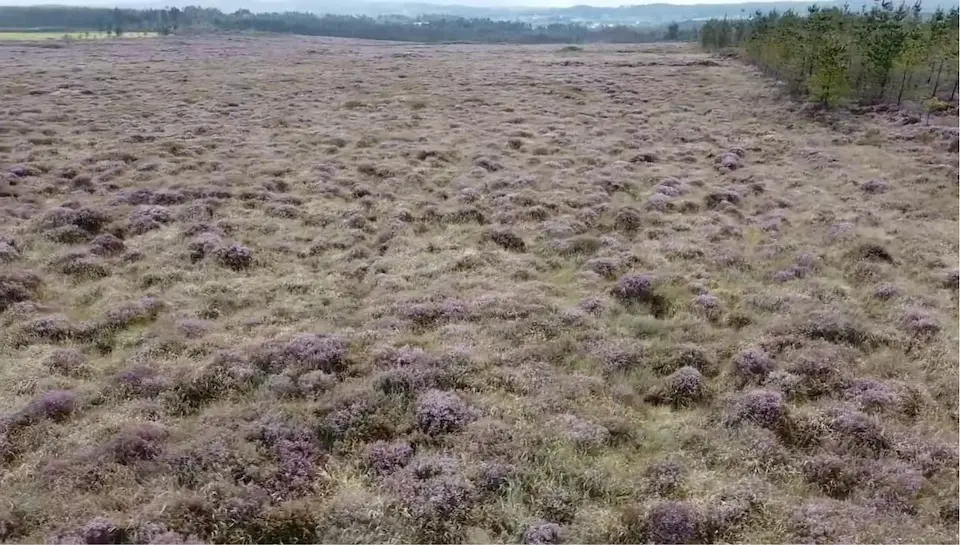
pixel 311 290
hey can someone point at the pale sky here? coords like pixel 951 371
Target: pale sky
pixel 476 3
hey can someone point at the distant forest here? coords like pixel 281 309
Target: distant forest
pixel 420 29
pixel 888 53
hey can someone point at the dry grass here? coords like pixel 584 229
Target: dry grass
pixel 316 290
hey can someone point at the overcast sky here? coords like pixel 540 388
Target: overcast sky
pixel 319 4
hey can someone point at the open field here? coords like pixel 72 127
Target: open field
pixel 304 290
pixel 34 36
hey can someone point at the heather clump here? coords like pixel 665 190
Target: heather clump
pixel 439 412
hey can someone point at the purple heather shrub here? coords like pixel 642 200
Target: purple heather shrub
pixel 282 386
pixel 405 356
pixel 659 202
pixel 311 352
pixel 506 239
pixel 665 477
pixel 193 328
pixel 928 456
pixel 574 317
pixel 762 450
pixel 144 309
pixel 582 432
pixel 722 198
pixel 837 327
pixel 351 418
pixel 140 380
pixel 628 220
pixel 87 219
pixel 137 442
pixel 68 234
pixel 886 291
pixel 407 380
pixel 840 230
pixel 305 352
pixel 855 431
pixel 52 328
pixel 707 302
pixel 543 533
pixel 691 355
pixel 204 244
pixel 730 160
pixel 168 197
pixel 837 477
pixel 198 211
pixel 790 273
pixel 593 305
pixel 784 382
pixel 620 354
pixel 634 288
pixel 441 412
pixel 107 245
pixel 146 218
pixel 236 257
pixel 102 531
pixel 80 265
pixel 874 186
pixel 672 522
pixel 764 408
pixel 297 455
pixel 9 252
pixel 432 313
pixel 825 521
pixel 137 197
pixel 434 491
pixel 493 476
pixel 487 438
pixel 685 386
pixel 579 245
pixel 67 361
pixel 753 364
pixel 727 512
pixel 54 405
pixel 604 266
pixel 314 383
pixel 892 486
pixel 427 466
pixel 670 187
pixel 7 452
pixel 387 457
pixel 921 323
pixel 871 252
pixel 872 395
pixel 297 462
pixel 16 287
pixel 820 370
pixel 809 262
pixel 226 372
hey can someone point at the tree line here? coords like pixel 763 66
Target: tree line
pixel 419 29
pixel 888 53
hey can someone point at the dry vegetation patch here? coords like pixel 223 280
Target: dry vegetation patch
pixel 404 293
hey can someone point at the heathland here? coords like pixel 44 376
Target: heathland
pixel 296 290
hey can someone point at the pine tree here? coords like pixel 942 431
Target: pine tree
pixel 833 53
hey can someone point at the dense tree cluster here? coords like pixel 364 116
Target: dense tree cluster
pixel 420 29
pixel 885 54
